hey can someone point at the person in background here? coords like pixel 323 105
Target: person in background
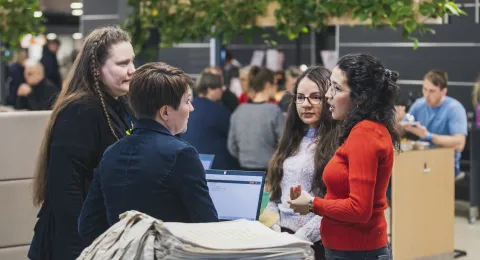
pixel 442 120
pixel 234 83
pixel 89 115
pixel 164 177
pixel 284 97
pixel 256 127
pixel 50 62
pixel 208 126
pixel 247 93
pixel 309 140
pixel 17 75
pixel 362 95
pixel 476 92
pixel 228 98
pixel 38 92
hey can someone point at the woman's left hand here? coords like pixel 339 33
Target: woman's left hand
pixel 300 205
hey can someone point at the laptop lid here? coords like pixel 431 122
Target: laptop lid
pixel 207 160
pixel 236 194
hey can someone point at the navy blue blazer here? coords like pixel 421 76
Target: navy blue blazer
pixel 150 171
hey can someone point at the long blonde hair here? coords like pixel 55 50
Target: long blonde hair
pixel 82 81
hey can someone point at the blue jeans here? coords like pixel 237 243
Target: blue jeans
pixel 384 253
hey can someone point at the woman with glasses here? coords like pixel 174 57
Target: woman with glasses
pixel 362 95
pixel 310 139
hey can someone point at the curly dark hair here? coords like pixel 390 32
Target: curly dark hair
pixel 376 91
pixel 326 137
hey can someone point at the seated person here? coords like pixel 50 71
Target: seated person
pixel 38 92
pixel 442 119
pixel 208 126
pixel 151 170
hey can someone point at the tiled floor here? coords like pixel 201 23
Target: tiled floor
pixel 467 237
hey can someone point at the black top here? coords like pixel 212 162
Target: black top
pixel 229 100
pixel 16 74
pixel 80 135
pixel 50 64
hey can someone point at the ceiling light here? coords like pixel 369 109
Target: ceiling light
pixel 51 36
pixel 37 14
pixel 77 12
pixel 76 5
pixel 77 36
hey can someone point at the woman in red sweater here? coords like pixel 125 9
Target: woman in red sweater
pixel 362 95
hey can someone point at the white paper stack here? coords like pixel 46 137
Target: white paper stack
pixel 139 236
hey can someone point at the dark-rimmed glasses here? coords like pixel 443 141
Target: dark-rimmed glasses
pixel 313 99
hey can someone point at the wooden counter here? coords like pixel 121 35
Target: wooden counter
pixel 423 205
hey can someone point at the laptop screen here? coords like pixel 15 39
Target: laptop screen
pixel 207 160
pixel 236 194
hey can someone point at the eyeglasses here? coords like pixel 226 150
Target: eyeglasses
pixel 333 90
pixel 313 99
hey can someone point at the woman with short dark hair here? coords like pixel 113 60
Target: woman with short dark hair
pixel 151 170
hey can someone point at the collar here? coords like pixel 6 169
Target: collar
pixel 112 102
pixel 310 132
pixel 151 125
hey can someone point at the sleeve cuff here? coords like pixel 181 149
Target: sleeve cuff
pixel 318 206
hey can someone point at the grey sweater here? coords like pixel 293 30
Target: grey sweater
pixel 255 129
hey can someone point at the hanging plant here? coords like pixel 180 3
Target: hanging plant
pixel 197 20
pixel 295 17
pixel 17 18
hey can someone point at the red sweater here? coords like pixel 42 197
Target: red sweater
pixel 357 178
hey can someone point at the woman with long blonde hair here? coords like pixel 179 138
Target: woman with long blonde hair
pixel 89 115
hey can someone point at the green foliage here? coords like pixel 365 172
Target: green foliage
pixel 196 20
pixel 17 20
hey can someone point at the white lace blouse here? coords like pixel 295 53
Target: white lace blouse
pixel 298 170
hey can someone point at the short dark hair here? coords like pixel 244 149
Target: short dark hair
pixel 438 78
pixel 157 84
pixel 208 81
pixel 258 77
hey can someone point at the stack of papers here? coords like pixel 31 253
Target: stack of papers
pixel 139 236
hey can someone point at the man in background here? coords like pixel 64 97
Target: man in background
pixel 442 120
pixel 38 92
pixel 50 62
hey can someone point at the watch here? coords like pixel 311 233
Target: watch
pixel 429 137
pixel 310 205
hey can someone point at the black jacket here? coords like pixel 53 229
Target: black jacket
pixel 52 69
pixel 150 171
pixel 80 135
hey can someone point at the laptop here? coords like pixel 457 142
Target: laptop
pixel 207 160
pixel 236 194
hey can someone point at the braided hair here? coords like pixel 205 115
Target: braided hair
pixel 95 70
pixel 82 82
